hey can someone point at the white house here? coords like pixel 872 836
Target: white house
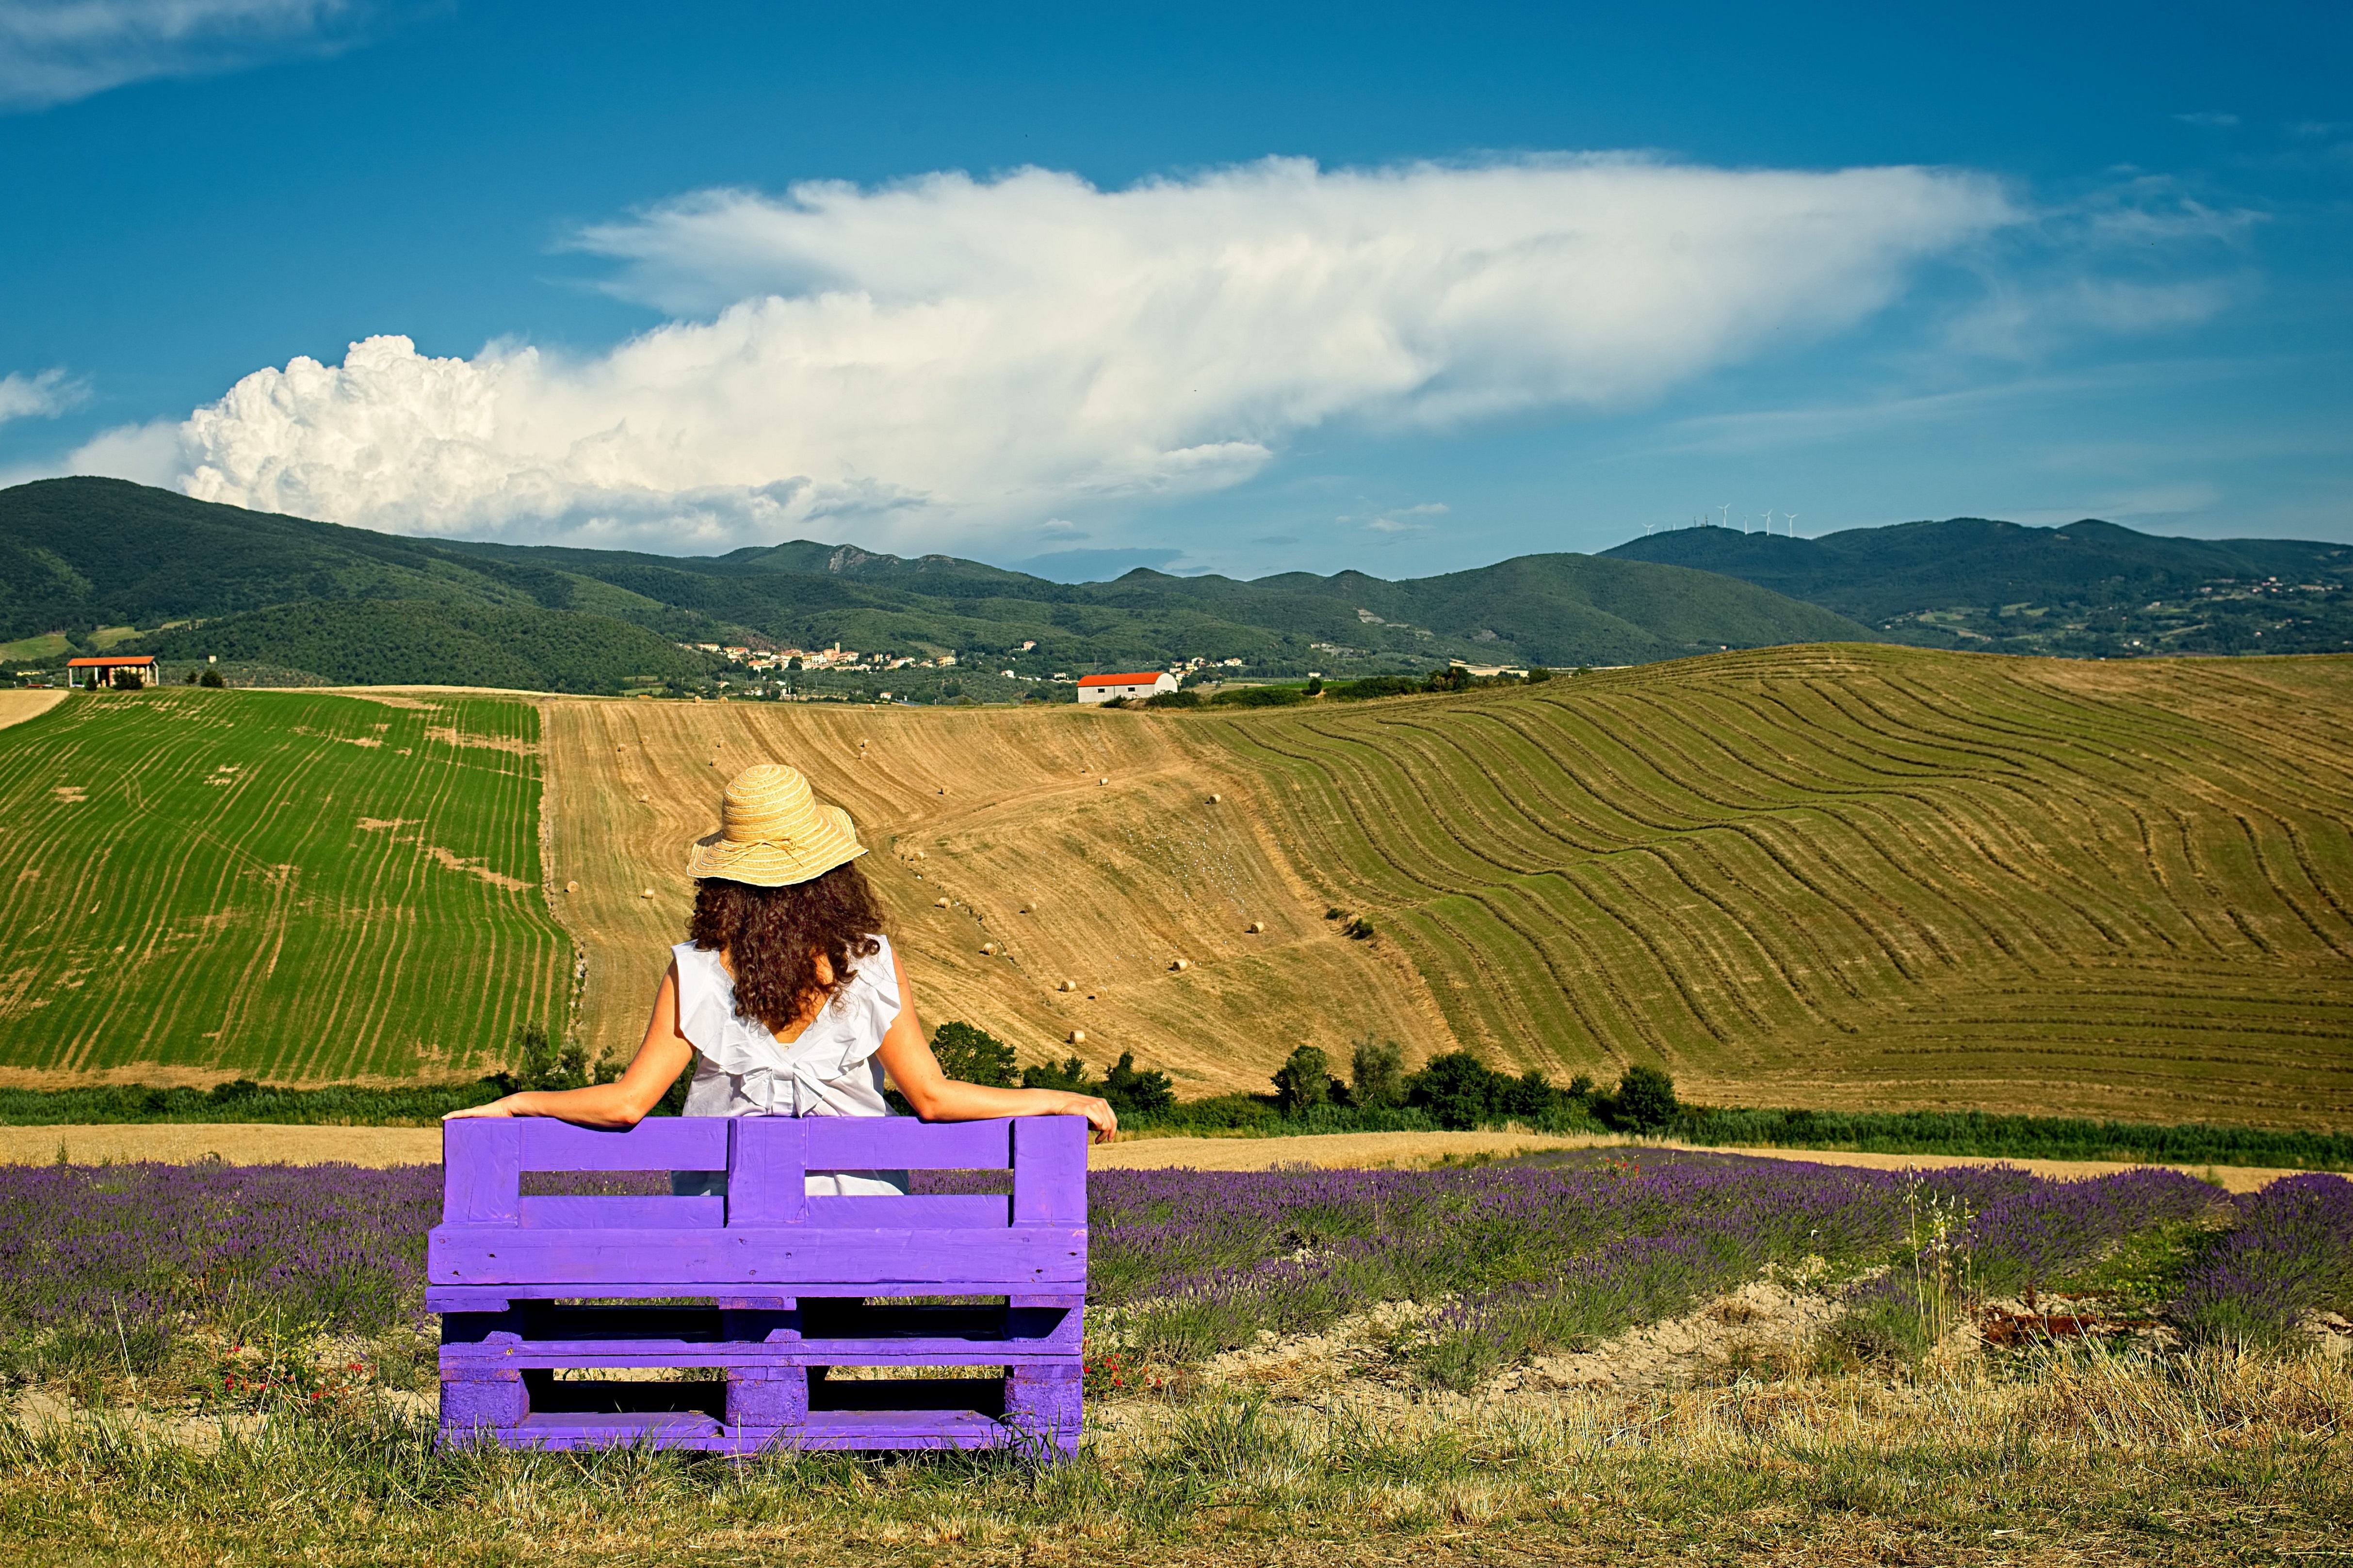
pixel 1145 683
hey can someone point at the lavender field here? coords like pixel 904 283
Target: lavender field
pixel 120 1269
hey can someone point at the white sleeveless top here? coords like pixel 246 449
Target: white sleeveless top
pixel 829 1069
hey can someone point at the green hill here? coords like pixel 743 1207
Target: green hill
pixel 100 559
pixel 2089 589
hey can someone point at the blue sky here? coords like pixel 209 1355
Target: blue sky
pixel 1248 289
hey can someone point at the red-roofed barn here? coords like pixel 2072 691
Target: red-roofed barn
pixel 113 670
pixel 1144 683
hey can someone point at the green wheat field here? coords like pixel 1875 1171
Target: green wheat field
pixel 288 884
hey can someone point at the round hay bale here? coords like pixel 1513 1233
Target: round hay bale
pixel 1102 780
pixel 1215 798
pixel 1076 1038
pixel 1256 927
pixel 647 894
pixel 571 887
pixel 939 903
pixel 988 949
pixel 1180 965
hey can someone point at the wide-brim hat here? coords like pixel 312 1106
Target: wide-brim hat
pixel 772 833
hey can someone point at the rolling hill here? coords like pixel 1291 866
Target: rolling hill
pixel 102 559
pixel 2088 590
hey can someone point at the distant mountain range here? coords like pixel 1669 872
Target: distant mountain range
pixel 110 563
pixel 2089 589
pixel 104 560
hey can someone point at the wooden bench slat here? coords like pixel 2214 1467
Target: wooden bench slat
pixel 657 1144
pixel 896 1142
pixel 953 1261
pixel 623 1213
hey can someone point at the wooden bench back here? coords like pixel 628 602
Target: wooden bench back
pixel 768 1228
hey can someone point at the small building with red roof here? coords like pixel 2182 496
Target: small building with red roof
pixel 113 670
pixel 1143 683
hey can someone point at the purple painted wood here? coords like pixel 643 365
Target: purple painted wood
pixel 767 1396
pixel 484 1397
pixel 925 1212
pixel 461 1297
pixel 1043 1403
pixel 847 1429
pixel 624 1214
pixel 968 1261
pixel 767 1164
pixel 657 1144
pixel 480 1180
pixel 1050 1170
pixel 896 1142
pixel 773 1326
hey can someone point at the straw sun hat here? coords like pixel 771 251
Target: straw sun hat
pixel 772 832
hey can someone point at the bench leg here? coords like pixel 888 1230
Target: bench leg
pixel 763 1398
pixel 482 1403
pixel 1043 1403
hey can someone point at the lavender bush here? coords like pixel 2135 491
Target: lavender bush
pixel 118 1257
pixel 2291 1253
pixel 1526 1257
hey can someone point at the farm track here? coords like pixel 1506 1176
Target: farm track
pixel 285 885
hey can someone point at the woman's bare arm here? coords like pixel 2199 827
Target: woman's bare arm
pixel 936 1096
pixel 624 1103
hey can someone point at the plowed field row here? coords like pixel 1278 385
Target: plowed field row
pixel 283 884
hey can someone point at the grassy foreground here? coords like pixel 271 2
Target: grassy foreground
pixel 285 883
pixel 2220 1458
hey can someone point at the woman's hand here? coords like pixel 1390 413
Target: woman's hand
pixel 501 1107
pixel 1101 1117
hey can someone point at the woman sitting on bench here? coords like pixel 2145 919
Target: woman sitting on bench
pixel 786 996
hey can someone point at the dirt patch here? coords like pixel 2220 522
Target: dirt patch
pixel 237 1143
pixel 15 707
pixel 1414 1151
pixel 452 737
pixel 495 879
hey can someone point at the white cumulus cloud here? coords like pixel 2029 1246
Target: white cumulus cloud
pixel 947 358
pixel 53 52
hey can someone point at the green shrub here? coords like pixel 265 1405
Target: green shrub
pixel 1376 1075
pixel 1180 698
pixel 1376 686
pixel 1304 1083
pixel 1645 1100
pixel 1260 696
pixel 973 1055
pixel 1070 1075
pixel 1137 1094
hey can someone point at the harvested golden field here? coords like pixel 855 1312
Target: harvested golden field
pixel 997 812
pixel 1841 877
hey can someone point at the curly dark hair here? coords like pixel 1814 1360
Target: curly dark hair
pixel 772 937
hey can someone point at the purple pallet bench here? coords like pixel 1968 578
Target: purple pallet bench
pixel 788 1286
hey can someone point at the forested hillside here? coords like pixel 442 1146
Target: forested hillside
pixel 2088 590
pixel 110 563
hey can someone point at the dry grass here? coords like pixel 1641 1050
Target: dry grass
pixel 15 707
pixel 2082 1460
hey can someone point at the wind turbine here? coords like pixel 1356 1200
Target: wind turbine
pixel 1726 510
pixel 1791 519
